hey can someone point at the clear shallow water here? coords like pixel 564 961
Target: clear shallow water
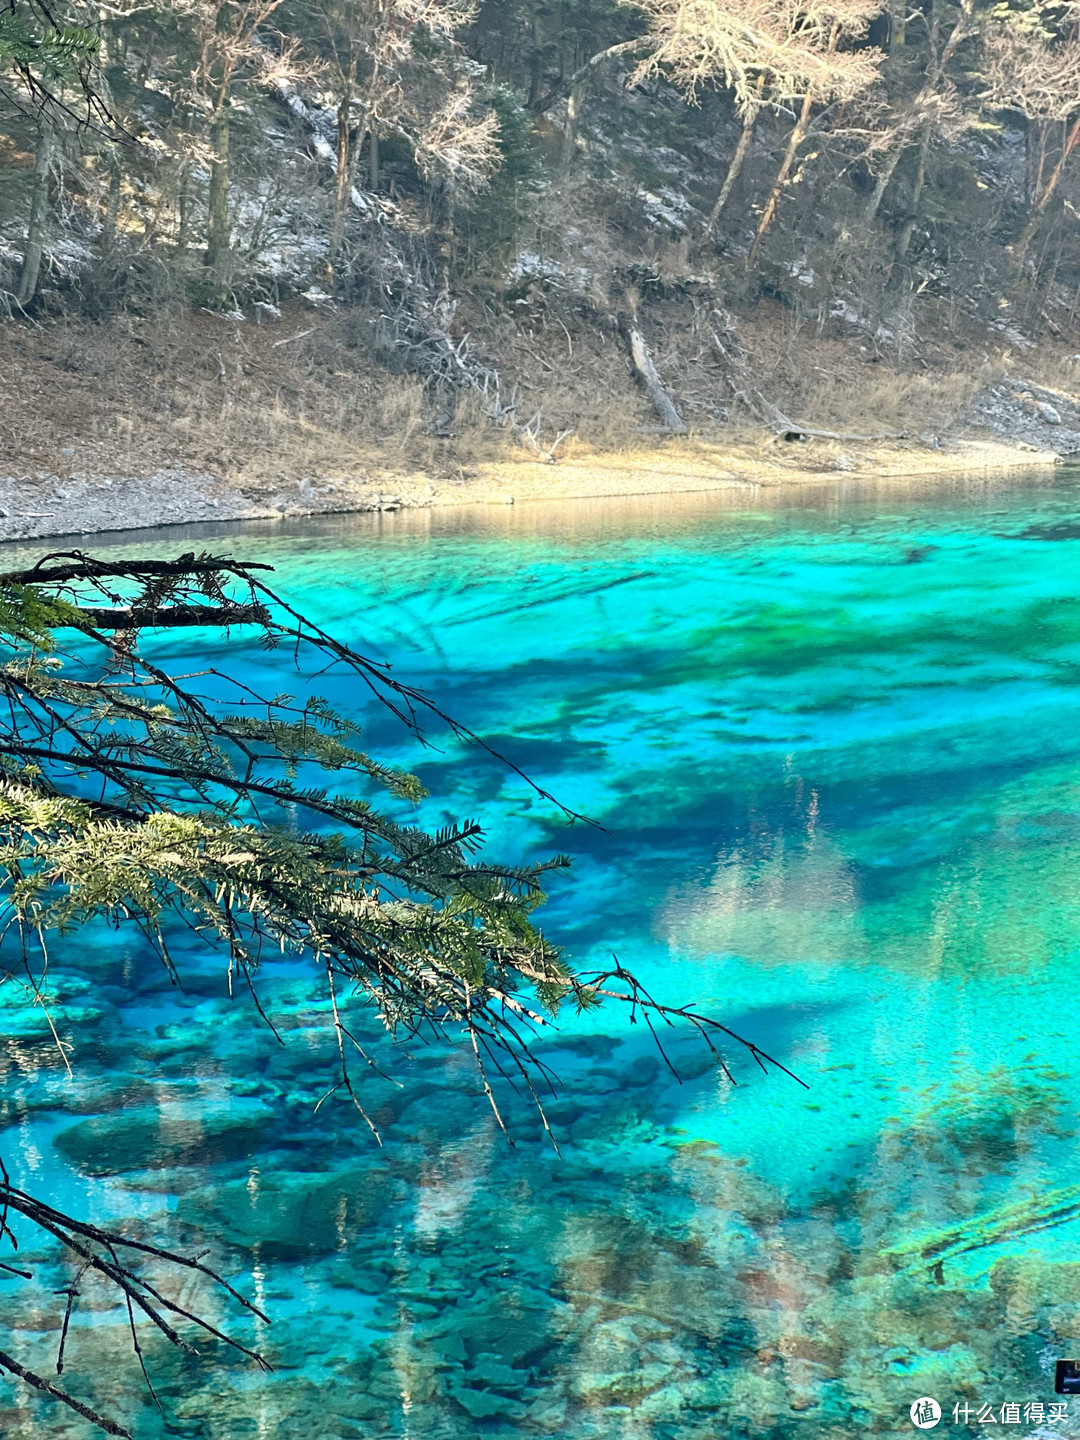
pixel 835 746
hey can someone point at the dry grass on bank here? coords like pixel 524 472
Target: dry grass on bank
pixel 266 405
pixel 245 401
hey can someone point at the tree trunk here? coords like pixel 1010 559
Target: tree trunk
pixel 373 158
pixel 218 238
pixel 35 225
pixel 649 376
pixel 1037 183
pixel 112 207
pixel 1069 145
pixel 908 226
pixel 343 179
pixel 442 224
pixel 183 205
pixel 883 184
pixel 564 86
pixel 536 77
pixel 768 215
pixel 898 24
pixel 741 152
pixel 569 136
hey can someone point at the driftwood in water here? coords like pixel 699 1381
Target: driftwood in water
pixel 647 373
pixel 1005 1224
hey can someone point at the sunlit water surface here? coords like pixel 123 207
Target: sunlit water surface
pixel 834 746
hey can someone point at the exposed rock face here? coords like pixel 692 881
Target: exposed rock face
pixel 1030 414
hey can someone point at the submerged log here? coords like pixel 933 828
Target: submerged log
pixel 930 1251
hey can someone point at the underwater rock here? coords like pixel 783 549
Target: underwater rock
pixel 709 1393
pixel 17 995
pixel 485 1404
pixel 615 1124
pixel 350 1273
pixel 508 1328
pixel 410 1112
pixel 289 1214
pixel 107 1094
pixel 587 1046
pixel 490 1371
pixel 30 1022
pixel 645 1070
pixel 597 1388
pixel 664 1404
pixel 167 1180
pixel 187 1133
pixel 82 1097
pixel 565 1112
pixel 548 1413
pixel 759 1399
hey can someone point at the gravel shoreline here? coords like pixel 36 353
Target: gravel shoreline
pixel 39 506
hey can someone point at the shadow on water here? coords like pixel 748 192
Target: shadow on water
pixel 839 794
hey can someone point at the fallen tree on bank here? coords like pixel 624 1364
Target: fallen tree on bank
pixel 646 371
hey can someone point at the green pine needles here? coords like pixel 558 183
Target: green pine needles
pixel 132 795
pixel 53 51
pixel 129 795
pixel 47 65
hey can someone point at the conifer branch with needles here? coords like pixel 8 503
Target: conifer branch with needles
pixel 131 794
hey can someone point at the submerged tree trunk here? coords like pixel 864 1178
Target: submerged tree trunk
pixel 768 215
pixel 35 225
pixel 218 238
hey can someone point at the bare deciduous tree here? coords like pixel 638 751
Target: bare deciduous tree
pixel 395 70
pixel 768 54
pixel 1034 72
pixel 231 50
pixel 936 111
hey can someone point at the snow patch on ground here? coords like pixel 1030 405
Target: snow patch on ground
pixel 666 209
pixel 531 268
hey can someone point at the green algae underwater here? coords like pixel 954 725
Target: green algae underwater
pixel 832 742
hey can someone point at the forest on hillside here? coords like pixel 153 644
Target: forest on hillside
pixel 453 175
pixel 340 1107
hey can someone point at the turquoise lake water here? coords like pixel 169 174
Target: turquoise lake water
pixel 833 747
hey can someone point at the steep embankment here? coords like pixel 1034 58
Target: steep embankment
pixel 221 417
